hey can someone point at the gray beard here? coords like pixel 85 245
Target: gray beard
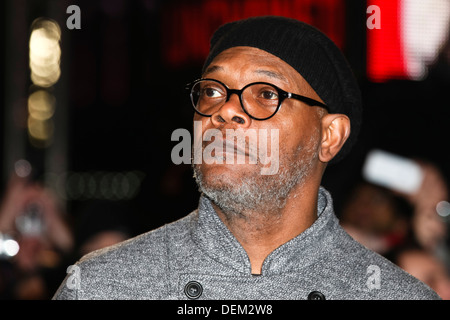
pixel 255 193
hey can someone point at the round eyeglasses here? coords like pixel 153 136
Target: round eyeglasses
pixel 259 100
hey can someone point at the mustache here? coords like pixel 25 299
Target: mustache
pixel 242 146
pixel 237 146
pixel 252 146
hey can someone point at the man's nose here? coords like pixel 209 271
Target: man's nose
pixel 232 113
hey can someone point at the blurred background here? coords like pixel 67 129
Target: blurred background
pixel 90 95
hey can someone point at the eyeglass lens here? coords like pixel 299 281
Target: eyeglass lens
pixel 258 100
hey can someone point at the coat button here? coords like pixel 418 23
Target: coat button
pixel 316 295
pixel 193 290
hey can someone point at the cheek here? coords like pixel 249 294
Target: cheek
pixel 298 133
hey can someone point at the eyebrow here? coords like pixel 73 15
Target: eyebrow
pixel 271 74
pixel 268 73
pixel 212 69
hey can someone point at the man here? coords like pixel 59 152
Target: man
pixel 254 235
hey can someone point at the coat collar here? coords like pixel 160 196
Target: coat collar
pixel 216 240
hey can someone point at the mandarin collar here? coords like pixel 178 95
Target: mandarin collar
pixel 216 240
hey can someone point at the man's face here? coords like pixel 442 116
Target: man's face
pixel 242 187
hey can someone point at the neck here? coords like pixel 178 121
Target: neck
pixel 261 233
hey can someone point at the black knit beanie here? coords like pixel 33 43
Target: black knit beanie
pixel 309 52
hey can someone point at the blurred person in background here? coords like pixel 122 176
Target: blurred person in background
pixel 429 229
pixel 376 218
pixel 33 259
pixel 405 228
pixel 382 219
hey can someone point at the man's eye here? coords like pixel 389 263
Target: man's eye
pixel 211 93
pixel 269 95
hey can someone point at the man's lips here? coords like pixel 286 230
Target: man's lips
pixel 224 146
pixel 233 147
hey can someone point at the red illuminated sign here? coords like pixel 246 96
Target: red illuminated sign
pixel 188 26
pixel 384 45
pixel 408 40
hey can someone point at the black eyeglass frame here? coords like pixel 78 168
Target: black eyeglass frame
pixel 281 94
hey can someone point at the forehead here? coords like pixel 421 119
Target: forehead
pixel 248 63
pixel 245 58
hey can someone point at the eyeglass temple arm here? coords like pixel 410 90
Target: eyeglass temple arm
pixel 308 101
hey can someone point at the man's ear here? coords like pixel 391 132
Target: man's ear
pixel 335 131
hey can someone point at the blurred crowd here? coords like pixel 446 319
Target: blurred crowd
pixel 39 240
pixel 405 228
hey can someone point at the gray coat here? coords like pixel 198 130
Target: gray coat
pixel 197 257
